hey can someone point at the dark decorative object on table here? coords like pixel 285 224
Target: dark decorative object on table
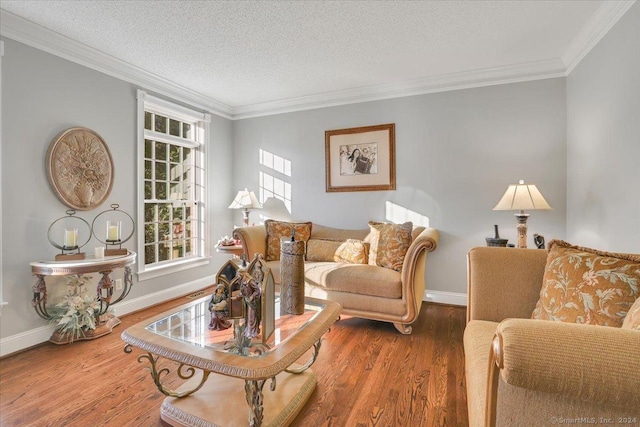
pixel 496 240
pixel 539 241
pixel 218 306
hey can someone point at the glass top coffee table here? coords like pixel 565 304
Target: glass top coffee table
pixel 220 382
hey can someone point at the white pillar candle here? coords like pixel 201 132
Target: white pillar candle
pixel 71 237
pixel 99 252
pixel 113 231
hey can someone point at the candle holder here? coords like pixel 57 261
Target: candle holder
pixel 118 220
pixel 66 230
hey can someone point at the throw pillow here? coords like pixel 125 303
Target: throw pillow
pixel 278 229
pixel 352 251
pixel 632 321
pixel 389 244
pixel 583 285
pixel 322 250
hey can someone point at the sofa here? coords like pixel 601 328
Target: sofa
pixel 364 290
pixel 525 372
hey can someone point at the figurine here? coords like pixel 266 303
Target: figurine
pixel 539 241
pixel 251 292
pixel 218 309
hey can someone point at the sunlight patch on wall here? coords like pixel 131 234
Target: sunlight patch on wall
pixel 399 214
pixel 274 182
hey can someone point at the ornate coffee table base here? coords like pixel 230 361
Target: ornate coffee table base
pixel 222 402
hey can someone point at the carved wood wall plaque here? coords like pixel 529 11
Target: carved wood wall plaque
pixel 80 168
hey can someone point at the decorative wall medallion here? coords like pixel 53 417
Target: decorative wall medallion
pixel 80 168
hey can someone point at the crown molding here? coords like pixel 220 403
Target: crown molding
pixel 594 30
pixel 34 35
pixel 447 82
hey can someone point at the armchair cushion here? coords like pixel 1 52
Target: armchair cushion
pixel 389 244
pixel 582 285
pixel 278 229
pixel 595 364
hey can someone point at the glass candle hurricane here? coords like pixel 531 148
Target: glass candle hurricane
pixel 113 231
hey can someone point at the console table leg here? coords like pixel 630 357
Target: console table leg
pixel 39 301
pixel 128 284
pixel 105 291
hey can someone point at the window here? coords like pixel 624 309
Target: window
pixel 171 205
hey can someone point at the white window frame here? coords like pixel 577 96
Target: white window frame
pixel 201 257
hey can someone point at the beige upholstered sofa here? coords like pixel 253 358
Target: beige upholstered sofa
pixel 366 291
pixel 541 372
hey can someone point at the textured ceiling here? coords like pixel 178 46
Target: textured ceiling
pixel 244 53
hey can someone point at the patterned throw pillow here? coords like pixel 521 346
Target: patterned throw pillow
pixel 352 251
pixel 582 285
pixel 389 244
pixel 322 250
pixel 279 229
pixel 632 321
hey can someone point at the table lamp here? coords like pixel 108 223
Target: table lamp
pixel 245 200
pixel 519 197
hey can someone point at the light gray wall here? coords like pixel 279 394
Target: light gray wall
pixel 603 144
pixel 456 152
pixel 43 95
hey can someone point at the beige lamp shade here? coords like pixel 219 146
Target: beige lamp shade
pixel 520 197
pixel 245 200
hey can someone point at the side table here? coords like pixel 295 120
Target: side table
pixel 104 266
pixel 235 250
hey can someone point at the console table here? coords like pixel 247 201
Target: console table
pixel 104 266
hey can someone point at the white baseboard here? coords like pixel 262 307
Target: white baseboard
pixel 443 297
pixel 25 339
pixel 42 334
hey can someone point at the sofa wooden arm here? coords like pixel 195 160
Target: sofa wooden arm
pixel 503 282
pixel 584 362
pixel 413 271
pixel 253 239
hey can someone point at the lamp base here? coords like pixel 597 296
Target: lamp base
pixel 245 217
pixel 522 229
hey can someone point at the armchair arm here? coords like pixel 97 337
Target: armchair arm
pixel 503 282
pixel 253 239
pixel 584 362
pixel 413 271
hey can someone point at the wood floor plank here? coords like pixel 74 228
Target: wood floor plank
pixel 368 375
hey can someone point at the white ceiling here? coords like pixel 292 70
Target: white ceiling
pixel 245 57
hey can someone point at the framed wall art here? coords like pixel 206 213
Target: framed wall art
pixel 361 159
pixel 80 168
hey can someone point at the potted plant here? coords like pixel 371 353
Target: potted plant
pixel 78 311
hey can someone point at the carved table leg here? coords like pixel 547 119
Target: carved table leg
pixel 39 301
pixel 128 284
pixel 255 399
pixel 105 291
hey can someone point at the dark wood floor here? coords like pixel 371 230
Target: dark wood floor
pixel 368 375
